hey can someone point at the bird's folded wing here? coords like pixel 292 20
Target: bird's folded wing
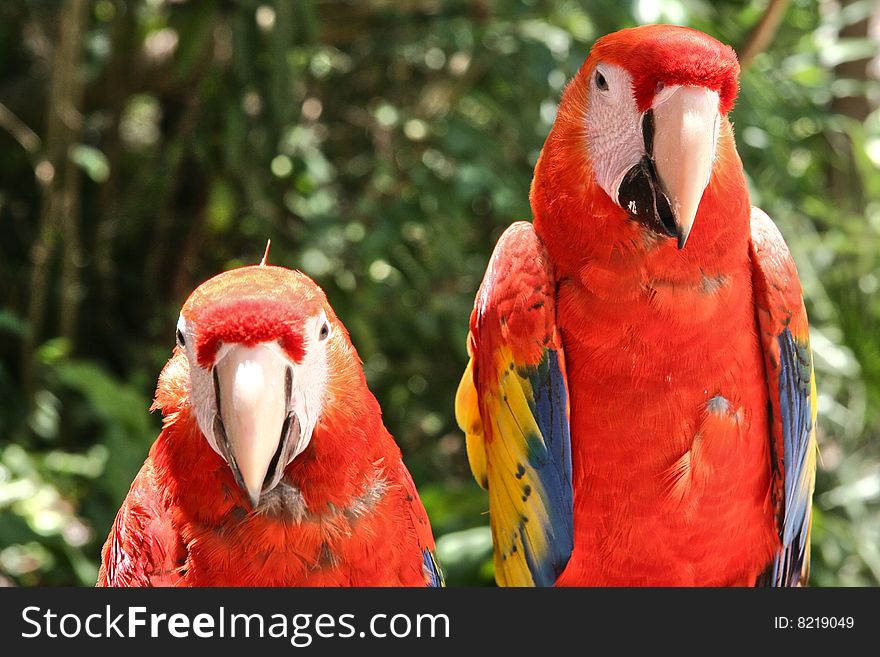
pixel 512 404
pixel 782 321
pixel 143 548
pixel 419 517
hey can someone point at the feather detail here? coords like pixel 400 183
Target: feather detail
pixel 512 405
pixel 783 322
pixel 678 479
pixel 467 414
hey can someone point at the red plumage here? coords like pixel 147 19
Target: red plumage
pixel 658 348
pixel 677 474
pixel 345 513
pixel 244 322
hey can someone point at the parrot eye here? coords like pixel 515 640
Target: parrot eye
pixel 180 339
pixel 601 82
pixel 324 332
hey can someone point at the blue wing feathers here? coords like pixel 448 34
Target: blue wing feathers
pixel 552 461
pixel 433 575
pixel 795 410
pixel 797 423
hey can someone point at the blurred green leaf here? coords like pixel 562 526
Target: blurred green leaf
pixel 463 555
pixel 92 161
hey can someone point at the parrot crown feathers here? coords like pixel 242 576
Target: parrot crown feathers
pixel 663 55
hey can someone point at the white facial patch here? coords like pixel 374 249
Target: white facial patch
pixel 613 127
pixel 311 376
pixel 201 385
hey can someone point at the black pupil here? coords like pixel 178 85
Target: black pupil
pixel 324 331
pixel 180 337
pixel 601 82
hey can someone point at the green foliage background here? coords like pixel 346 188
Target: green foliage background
pixel 382 146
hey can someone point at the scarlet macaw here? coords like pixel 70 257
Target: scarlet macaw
pixel 640 400
pixel 273 467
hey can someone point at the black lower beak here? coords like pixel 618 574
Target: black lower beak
pixel 641 195
pixel 284 446
pixel 226 451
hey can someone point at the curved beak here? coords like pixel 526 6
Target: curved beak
pixel 680 134
pixel 686 121
pixel 252 386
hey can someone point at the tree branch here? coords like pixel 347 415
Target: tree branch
pixel 762 34
pixel 27 138
pixel 59 176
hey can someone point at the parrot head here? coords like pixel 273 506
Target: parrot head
pixel 260 342
pixel 642 119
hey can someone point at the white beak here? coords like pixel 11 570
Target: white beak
pixel 252 398
pixel 686 122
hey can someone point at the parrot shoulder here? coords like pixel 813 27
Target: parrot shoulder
pixel 143 548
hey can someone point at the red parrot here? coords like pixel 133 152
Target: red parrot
pixel 640 401
pixel 273 467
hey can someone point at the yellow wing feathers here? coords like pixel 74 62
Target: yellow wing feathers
pixel 467 414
